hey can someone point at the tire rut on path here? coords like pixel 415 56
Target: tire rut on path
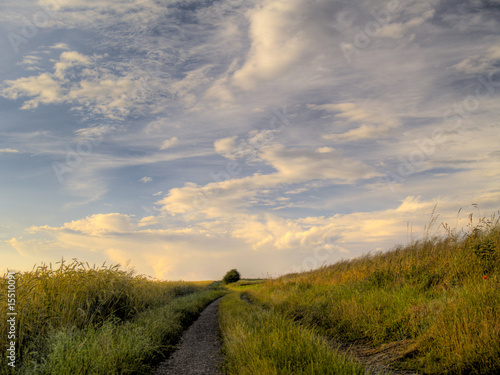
pixel 376 360
pixel 199 349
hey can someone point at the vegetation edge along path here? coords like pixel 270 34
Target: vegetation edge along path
pixel 375 360
pixel 199 349
pixel 429 307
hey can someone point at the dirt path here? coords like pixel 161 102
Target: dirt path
pixel 199 349
pixel 376 359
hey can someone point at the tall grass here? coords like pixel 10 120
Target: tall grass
pixel 55 305
pixel 259 341
pixel 438 299
pixel 135 347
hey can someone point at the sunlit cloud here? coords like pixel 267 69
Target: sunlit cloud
pixel 193 137
pixel 167 143
pixel 8 151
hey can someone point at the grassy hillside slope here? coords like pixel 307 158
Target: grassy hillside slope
pixel 433 306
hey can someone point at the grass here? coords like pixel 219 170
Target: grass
pixel 88 320
pixel 244 284
pixel 261 341
pixel 437 299
pixel 435 303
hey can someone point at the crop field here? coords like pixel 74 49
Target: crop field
pixel 77 319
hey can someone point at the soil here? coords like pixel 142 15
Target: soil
pixel 199 350
pixel 378 360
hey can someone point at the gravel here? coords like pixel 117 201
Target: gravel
pixel 199 349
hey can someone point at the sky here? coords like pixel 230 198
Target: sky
pixel 184 138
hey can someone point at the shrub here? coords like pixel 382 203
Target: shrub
pixel 231 277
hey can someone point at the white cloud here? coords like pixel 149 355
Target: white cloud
pixel 148 221
pixel 161 253
pixel 297 191
pixel 227 197
pixel 226 147
pixel 479 64
pixel 96 89
pixel 185 90
pixel 397 30
pixel 482 21
pixel 350 111
pixel 283 35
pixel 68 60
pixel 97 225
pixel 287 243
pixel 146 179
pixel 30 60
pixel 301 165
pixel 92 14
pixel 96 132
pixel 8 151
pixel 374 123
pixel 59 46
pixel 220 93
pixel 363 132
pixel 288 191
pixel 107 95
pixel 61 4
pixel 325 150
pixel 167 143
pixel 44 87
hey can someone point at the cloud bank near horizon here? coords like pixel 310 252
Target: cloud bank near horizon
pixel 191 137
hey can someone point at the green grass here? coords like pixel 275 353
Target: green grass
pixel 430 298
pixel 244 284
pixel 134 347
pixel 261 341
pixel 435 302
pixel 82 320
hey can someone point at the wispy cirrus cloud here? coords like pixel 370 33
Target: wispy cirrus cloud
pixel 232 132
pixel 8 151
pixel 98 90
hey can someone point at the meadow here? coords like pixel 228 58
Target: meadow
pixel 78 319
pixel 430 307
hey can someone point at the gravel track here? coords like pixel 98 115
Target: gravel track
pixel 199 349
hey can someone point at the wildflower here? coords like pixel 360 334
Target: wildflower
pixel 485 277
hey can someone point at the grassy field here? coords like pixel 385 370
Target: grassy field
pixel 431 307
pixel 435 303
pixel 76 319
pixel 260 341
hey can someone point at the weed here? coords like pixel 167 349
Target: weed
pixel 93 315
pixel 259 341
pixel 439 294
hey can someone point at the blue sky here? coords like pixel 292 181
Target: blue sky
pixel 185 138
